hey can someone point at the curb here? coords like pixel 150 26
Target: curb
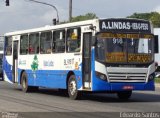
pixel 157 85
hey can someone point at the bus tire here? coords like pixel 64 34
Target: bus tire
pixel 124 95
pixel 2 77
pixel 72 88
pixel 24 83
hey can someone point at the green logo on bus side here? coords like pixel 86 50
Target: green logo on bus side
pixel 34 65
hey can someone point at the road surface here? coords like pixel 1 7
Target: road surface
pixel 48 102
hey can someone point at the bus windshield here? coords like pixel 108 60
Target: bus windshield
pixel 124 48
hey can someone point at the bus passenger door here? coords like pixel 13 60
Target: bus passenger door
pixel 15 62
pixel 86 60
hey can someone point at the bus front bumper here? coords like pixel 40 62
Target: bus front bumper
pixel 150 86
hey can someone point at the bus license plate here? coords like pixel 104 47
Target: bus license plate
pixel 128 87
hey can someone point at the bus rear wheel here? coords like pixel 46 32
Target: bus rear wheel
pixel 72 88
pixel 124 95
pixel 24 83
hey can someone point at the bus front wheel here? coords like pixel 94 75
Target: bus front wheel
pixel 72 88
pixel 124 95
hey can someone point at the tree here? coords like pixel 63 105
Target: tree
pixel 153 17
pixel 87 16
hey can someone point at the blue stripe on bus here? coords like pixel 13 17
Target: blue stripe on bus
pixel 50 78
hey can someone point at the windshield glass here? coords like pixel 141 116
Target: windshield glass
pixel 124 48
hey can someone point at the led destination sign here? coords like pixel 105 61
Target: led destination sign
pixel 125 25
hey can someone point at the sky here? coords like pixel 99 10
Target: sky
pixel 23 14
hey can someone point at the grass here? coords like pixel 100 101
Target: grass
pixel 157 80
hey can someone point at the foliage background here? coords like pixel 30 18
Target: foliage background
pixel 154 17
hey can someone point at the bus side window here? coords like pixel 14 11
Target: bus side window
pixel 34 43
pixel 24 44
pixel 59 41
pixel 8 49
pixel 73 40
pixel 1 43
pixel 45 42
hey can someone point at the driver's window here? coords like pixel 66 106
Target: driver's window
pixel 100 48
pixel 117 45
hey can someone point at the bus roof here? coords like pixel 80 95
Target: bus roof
pixel 50 27
pixel 66 25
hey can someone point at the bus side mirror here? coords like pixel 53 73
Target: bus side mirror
pixel 156 44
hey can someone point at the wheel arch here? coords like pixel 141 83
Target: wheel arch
pixel 68 75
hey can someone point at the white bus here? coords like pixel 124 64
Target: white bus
pixel 100 55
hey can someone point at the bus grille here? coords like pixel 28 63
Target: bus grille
pixel 127 75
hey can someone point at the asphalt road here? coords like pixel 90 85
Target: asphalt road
pixel 47 103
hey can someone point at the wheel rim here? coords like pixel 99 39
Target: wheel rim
pixel 72 87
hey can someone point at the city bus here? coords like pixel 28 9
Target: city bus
pixel 113 55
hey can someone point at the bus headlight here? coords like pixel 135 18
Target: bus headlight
pixel 101 76
pixel 151 77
